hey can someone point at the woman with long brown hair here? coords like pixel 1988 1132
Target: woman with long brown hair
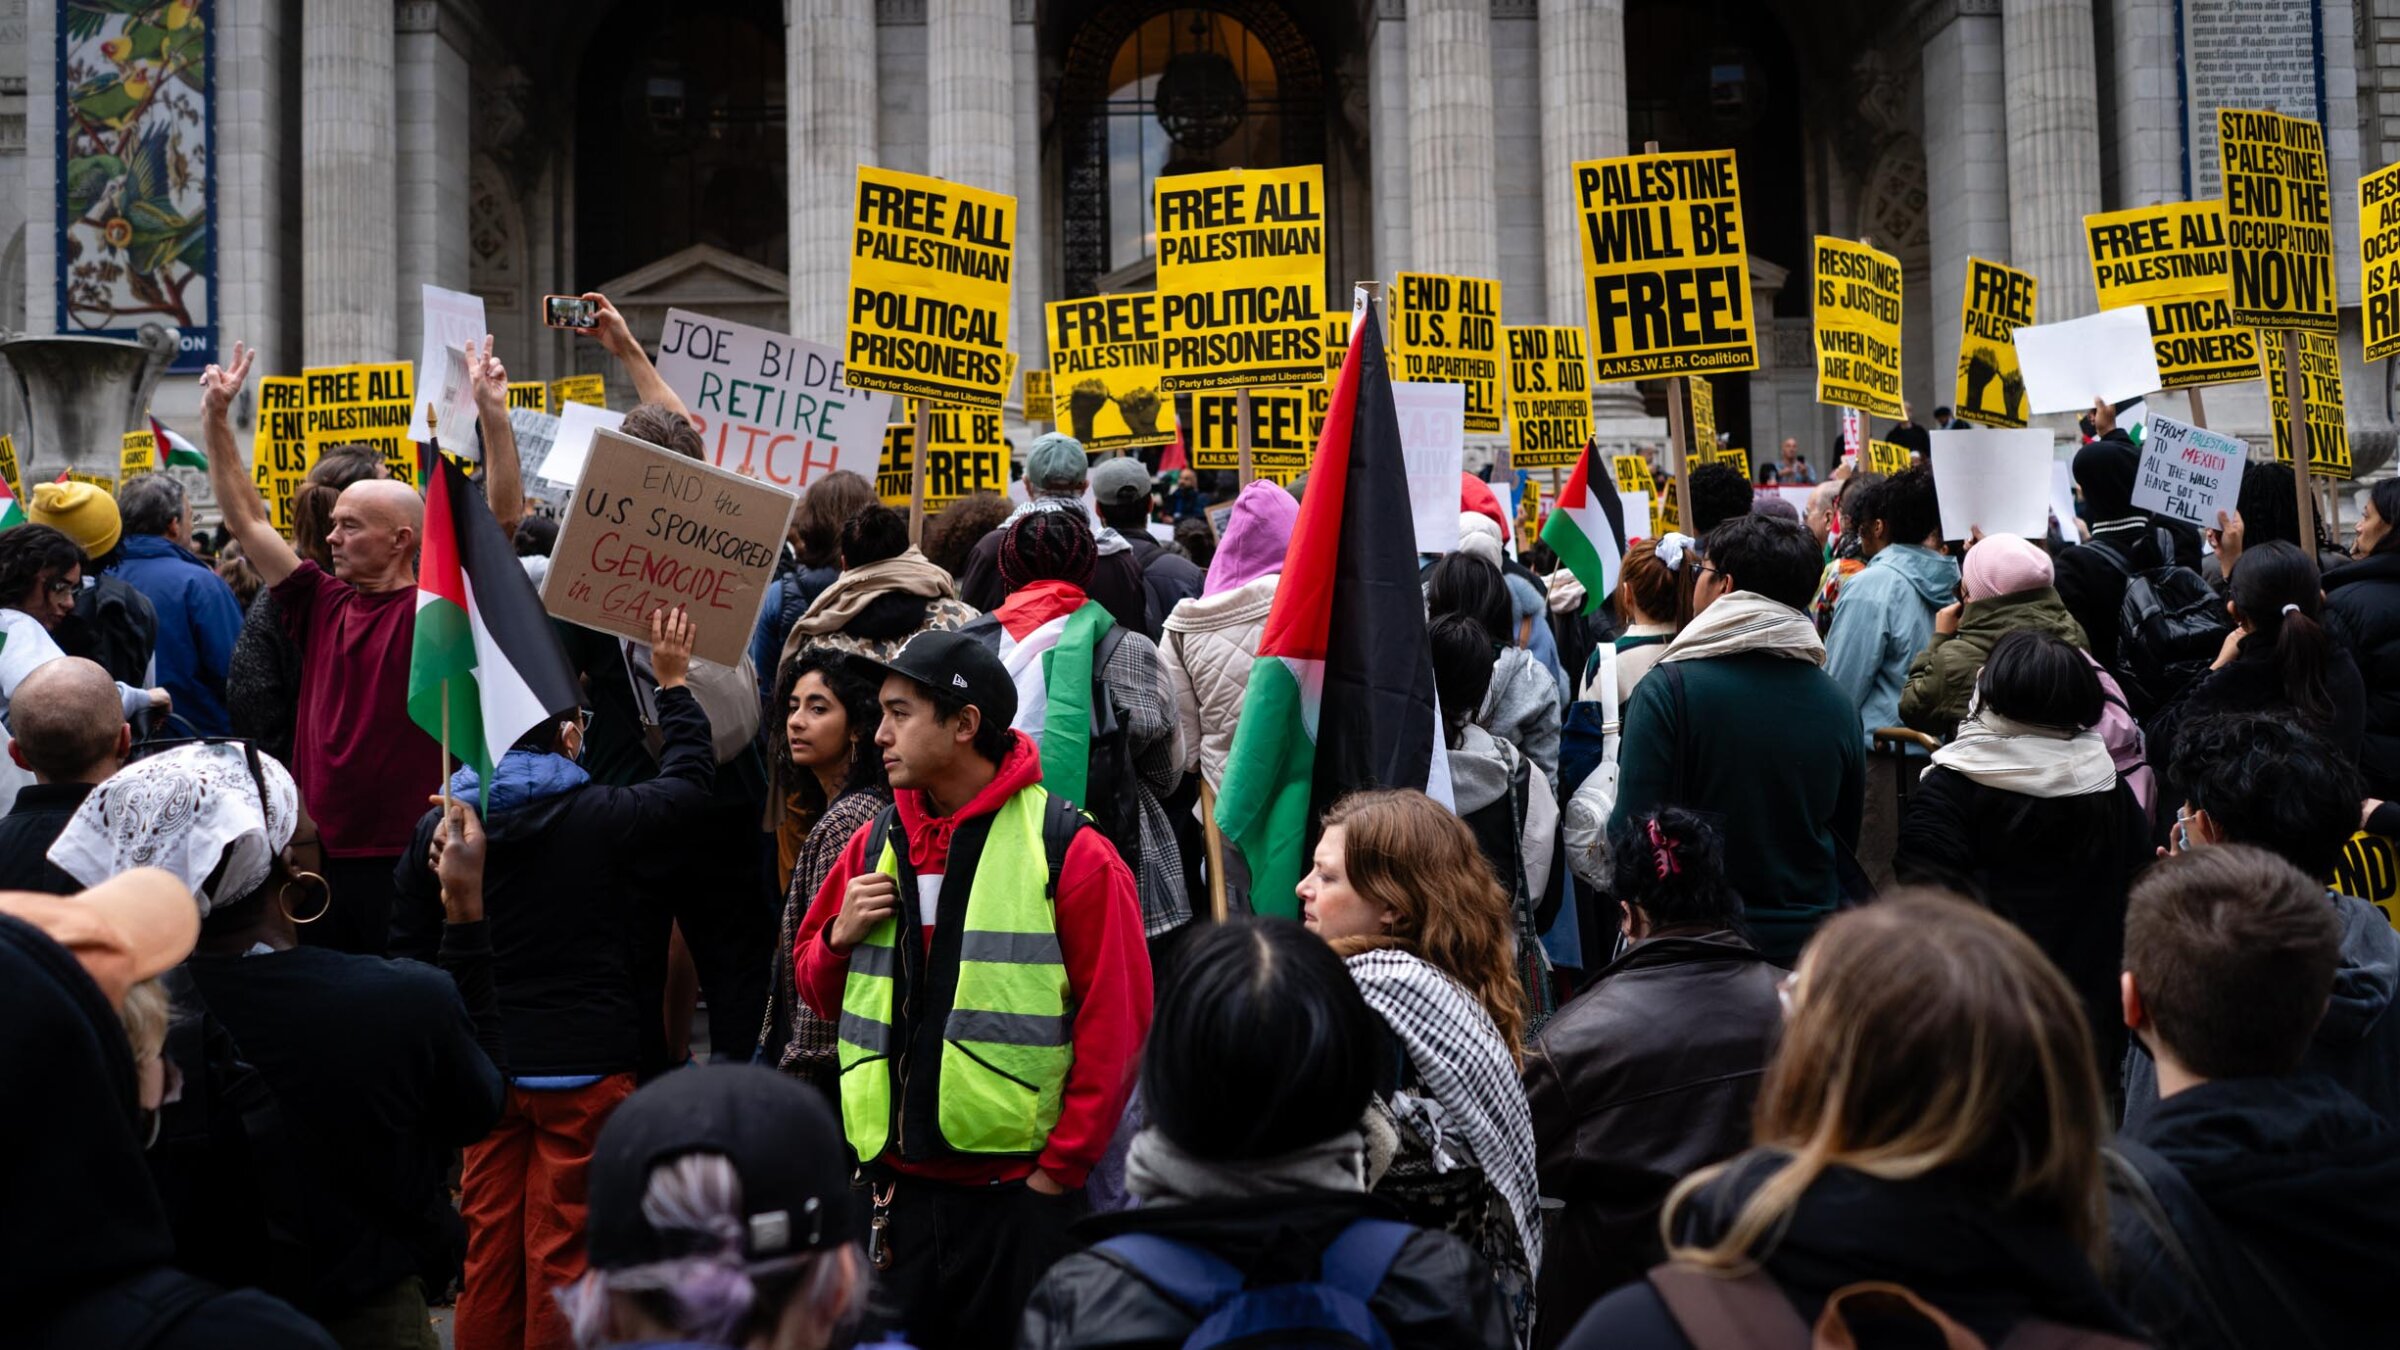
pixel 1932 1121
pixel 1402 892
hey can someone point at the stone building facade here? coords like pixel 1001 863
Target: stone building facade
pixel 701 153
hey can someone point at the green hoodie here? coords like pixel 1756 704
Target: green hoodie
pixel 1942 677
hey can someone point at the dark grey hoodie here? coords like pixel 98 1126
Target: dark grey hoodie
pixel 2358 1043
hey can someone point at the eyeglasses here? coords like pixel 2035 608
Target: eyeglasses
pixel 59 586
pixel 1705 570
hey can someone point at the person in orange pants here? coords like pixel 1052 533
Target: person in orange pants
pixel 524 1204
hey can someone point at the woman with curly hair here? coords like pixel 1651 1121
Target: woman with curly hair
pixel 1402 891
pixel 40 569
pixel 833 785
pixel 951 536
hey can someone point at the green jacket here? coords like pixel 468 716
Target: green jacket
pixel 1942 677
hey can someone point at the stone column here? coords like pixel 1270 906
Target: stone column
pixel 349 230
pixel 829 130
pixel 433 103
pixel 2053 102
pixel 970 86
pixel 1029 289
pixel 1451 143
pixel 2149 149
pixel 254 261
pixel 1387 141
pixel 1966 175
pixel 1583 117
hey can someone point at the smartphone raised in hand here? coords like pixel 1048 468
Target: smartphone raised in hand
pixel 569 311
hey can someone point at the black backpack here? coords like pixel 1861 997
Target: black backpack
pixel 2170 627
pixel 1111 789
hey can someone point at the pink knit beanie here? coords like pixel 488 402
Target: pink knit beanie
pixel 2004 564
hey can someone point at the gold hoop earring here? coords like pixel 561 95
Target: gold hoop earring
pixel 283 898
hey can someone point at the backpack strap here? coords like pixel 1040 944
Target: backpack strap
pixel 1197 1281
pixel 1061 822
pixel 1715 1313
pixel 1358 1260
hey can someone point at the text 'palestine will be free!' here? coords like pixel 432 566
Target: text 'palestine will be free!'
pixel 1666 265
pixel 1241 278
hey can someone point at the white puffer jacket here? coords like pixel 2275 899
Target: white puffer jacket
pixel 1208 645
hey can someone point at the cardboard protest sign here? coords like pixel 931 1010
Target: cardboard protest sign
pixel 1549 397
pixel 1433 444
pixel 137 454
pixel 571 443
pixel 529 394
pixel 649 529
pixel 537 435
pixel 967 455
pixel 1666 265
pixel 1280 445
pixel 1241 277
pixel 1886 458
pixel 1037 397
pixel 1996 481
pixel 930 267
pixel 1106 352
pixel 2328 424
pixel 1702 442
pixel 1857 335
pixel 2171 259
pixel 1999 300
pixel 2278 221
pixel 279 456
pixel 768 406
pixel 592 389
pixel 2379 261
pixel 453 321
pixel 364 405
pixel 1446 330
pixel 2107 355
pixel 2188 472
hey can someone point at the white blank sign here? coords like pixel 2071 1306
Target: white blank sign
pixel 1992 480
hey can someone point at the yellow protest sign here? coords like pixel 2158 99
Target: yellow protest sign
pixel 1337 343
pixel 2369 868
pixel 1703 441
pixel 1529 516
pixel 1037 397
pixel 2379 261
pixel 1632 473
pixel 1241 277
pixel 8 467
pixel 1735 457
pixel 966 455
pixel 279 457
pixel 363 405
pixel 1886 458
pixel 1279 441
pixel 591 389
pixel 1549 397
pixel 2198 343
pixel 1857 326
pixel 1105 352
pixel 1666 514
pixel 1666 265
pixel 2328 425
pixel 531 395
pixel 2157 252
pixel 137 454
pixel 1446 330
pixel 1998 301
pixel 2278 221
pixel 930 265
pixel 99 480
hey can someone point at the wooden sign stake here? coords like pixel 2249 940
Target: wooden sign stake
pixel 916 476
pixel 2295 398
pixel 1241 437
pixel 2199 409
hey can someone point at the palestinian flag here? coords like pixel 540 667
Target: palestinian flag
pixel 1049 636
pixel 1341 695
pixel 173 451
pixel 12 512
pixel 1587 531
pixel 482 639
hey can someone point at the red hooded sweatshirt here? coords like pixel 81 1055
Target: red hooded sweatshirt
pixel 1099 934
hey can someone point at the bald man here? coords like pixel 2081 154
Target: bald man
pixel 363 767
pixel 71 734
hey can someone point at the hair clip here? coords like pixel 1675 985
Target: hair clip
pixel 1662 850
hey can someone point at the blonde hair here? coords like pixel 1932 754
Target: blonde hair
pixel 1927 1034
pixel 1407 852
pixel 145 1015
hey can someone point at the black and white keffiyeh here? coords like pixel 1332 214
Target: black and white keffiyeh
pixel 189 810
pixel 1478 1108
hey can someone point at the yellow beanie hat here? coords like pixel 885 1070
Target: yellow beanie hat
pixel 79 511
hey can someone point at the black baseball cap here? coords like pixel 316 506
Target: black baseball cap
pixel 957 666
pixel 776 1131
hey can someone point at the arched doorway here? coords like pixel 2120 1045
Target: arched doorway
pixel 1152 88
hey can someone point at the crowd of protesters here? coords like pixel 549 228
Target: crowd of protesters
pixel 1835 929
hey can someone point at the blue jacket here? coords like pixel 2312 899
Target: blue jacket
pixel 197 624
pixel 1882 620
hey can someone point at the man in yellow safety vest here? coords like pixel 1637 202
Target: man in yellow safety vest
pixel 980 949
